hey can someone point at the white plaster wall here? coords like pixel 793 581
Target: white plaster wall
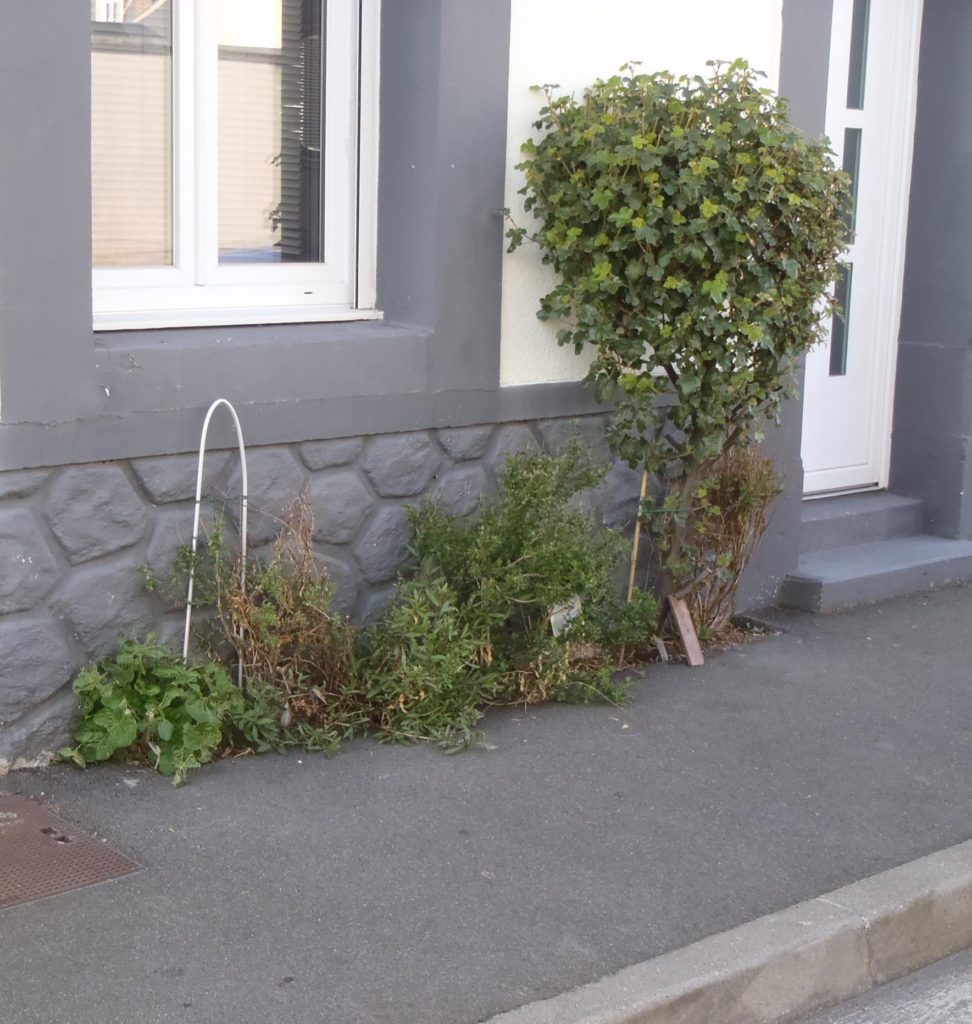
pixel 572 42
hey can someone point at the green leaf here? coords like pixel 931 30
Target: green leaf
pixel 123 733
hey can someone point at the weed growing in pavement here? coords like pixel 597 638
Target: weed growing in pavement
pixel 473 626
pixel 145 703
pixel 530 552
pixel 296 651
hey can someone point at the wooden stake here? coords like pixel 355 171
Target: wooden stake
pixel 637 535
pixel 686 630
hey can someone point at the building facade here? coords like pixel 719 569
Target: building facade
pixel 242 200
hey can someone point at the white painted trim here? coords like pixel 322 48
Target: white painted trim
pixel 819 495
pixel 197 289
pixel 184 188
pixel 232 316
pixel 206 146
pixel 340 146
pixel 369 64
pixel 897 202
pixel 900 25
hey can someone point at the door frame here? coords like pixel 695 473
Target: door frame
pixel 901 31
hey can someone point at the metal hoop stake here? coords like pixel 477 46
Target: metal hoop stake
pixel 195 520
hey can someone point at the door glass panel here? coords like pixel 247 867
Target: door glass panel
pixel 270 102
pixel 840 321
pixel 852 167
pixel 858 55
pixel 131 133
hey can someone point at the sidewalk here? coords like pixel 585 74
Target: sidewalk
pixel 403 886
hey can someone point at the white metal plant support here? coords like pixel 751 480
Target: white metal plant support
pixel 195 520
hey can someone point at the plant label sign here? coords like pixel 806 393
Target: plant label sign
pixel 562 615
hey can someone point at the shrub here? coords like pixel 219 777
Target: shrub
pixel 472 627
pixel 420 666
pixel 695 233
pixel 291 642
pixel 529 552
pixel 730 519
pixel 297 654
pixel 627 630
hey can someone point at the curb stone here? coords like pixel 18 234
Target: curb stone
pixel 807 957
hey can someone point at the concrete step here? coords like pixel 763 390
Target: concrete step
pixel 841 577
pixel 849 519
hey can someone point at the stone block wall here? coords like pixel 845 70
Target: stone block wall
pixel 73 540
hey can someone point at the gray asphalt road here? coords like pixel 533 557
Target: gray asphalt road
pixel 940 994
pixel 401 886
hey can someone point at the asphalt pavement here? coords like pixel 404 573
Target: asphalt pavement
pixel 394 885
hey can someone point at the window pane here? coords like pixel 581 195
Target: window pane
pixel 131 132
pixel 840 322
pixel 858 54
pixel 852 167
pixel 270 92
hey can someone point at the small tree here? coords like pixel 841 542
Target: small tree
pixel 695 233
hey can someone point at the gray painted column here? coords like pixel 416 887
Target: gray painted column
pixel 46 364
pixel 804 60
pixel 930 455
pixel 444 100
pixel 473 99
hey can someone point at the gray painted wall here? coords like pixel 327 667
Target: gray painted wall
pixel 73 540
pixel 46 364
pixel 804 60
pixel 366 415
pixel 933 401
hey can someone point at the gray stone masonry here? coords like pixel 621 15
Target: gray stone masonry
pixel 73 539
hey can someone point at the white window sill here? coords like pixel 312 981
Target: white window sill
pixel 229 317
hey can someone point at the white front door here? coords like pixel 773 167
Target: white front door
pixel 870 123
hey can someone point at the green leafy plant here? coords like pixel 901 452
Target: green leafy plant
pixel 146 704
pixel 420 666
pixel 628 630
pixel 473 626
pixel 695 233
pixel 531 551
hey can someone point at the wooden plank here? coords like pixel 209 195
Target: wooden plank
pixel 686 630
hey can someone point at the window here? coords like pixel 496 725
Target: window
pixel 233 161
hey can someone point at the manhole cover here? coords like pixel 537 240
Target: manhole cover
pixel 42 855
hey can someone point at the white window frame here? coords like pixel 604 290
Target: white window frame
pixel 109 10
pixel 196 290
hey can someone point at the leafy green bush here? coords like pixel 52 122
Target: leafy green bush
pixel 472 627
pixel 146 704
pixel 626 629
pixel 529 552
pixel 695 233
pixel 420 666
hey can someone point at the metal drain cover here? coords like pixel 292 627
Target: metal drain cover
pixel 42 855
